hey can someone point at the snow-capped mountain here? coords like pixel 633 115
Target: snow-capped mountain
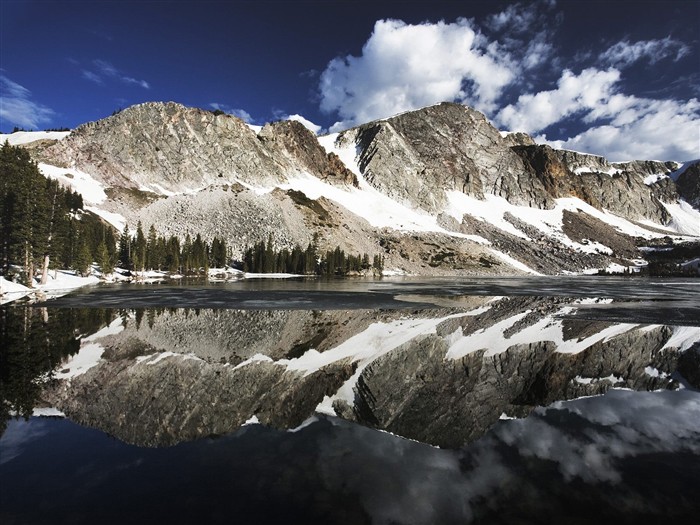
pixel 438 190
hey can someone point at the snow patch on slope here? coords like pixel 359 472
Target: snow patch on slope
pixel 365 201
pixel 492 209
pixel 91 190
pixel 591 169
pixel 514 262
pixel 115 219
pixel 11 291
pixel 653 179
pixel 684 218
pixel 376 208
pixel 60 282
pixel 683 337
pixel 347 153
pixel 19 138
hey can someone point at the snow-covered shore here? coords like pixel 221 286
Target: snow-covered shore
pixel 59 282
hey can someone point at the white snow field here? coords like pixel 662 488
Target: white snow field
pixel 19 138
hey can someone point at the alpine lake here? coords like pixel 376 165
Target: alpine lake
pixel 393 401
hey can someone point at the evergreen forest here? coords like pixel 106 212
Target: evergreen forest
pixel 262 257
pixel 44 224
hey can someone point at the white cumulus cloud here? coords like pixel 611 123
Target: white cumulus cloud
pixel 622 127
pixel 588 90
pixel 18 108
pixel 644 129
pixel 405 66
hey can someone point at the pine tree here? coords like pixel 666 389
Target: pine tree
pixel 186 256
pixel 151 256
pixel 172 258
pixel 24 210
pixel 218 257
pixel 269 256
pixel 111 244
pixel 161 250
pixel 104 259
pixel 200 257
pixel 83 259
pixel 53 189
pixel 125 248
pixel 138 253
pixel 378 263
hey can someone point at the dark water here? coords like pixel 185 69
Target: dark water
pixel 471 401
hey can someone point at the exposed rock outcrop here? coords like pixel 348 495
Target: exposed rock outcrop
pixel 417 156
pixel 296 143
pixel 688 185
pixel 168 145
pixel 619 188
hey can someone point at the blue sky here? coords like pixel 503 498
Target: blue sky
pixel 615 78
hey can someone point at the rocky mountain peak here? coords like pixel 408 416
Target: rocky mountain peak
pixel 417 156
pixel 170 146
pixel 293 141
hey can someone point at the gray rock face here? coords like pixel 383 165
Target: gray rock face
pixel 171 146
pixel 416 156
pixel 518 139
pixel 583 162
pixel 645 168
pixel 156 145
pixel 618 188
pixel 291 140
pixel 688 185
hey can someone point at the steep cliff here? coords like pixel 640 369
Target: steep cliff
pixel 416 156
pixel 166 145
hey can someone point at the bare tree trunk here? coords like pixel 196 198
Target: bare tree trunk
pixel 27 266
pixel 45 268
pixel 30 273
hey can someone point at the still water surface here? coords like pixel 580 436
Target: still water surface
pixel 410 401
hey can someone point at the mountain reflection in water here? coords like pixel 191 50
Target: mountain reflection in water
pixel 440 366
